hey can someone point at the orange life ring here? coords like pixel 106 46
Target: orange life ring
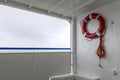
pixel 100 30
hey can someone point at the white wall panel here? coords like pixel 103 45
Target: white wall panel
pixel 37 66
pixel 87 59
pixel 117 43
pixel 52 64
pixel 16 67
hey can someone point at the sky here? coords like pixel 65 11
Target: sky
pixel 20 28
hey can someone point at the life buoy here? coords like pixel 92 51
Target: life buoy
pixel 100 30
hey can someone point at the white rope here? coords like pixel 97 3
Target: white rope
pixel 84 34
pixel 88 39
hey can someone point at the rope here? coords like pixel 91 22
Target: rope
pixel 100 51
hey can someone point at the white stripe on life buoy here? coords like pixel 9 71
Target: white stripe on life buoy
pixel 97 16
pixel 90 16
pixel 85 20
pixel 98 33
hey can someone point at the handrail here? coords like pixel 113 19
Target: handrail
pixel 30 48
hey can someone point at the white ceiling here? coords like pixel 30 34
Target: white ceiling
pixel 60 8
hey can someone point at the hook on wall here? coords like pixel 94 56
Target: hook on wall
pixel 112 22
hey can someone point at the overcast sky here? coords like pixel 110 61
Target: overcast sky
pixel 19 28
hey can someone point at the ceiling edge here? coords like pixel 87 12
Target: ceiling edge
pixel 34 9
